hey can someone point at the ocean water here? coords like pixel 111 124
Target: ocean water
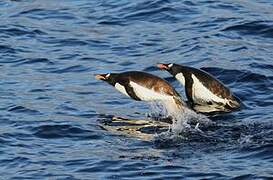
pixel 52 106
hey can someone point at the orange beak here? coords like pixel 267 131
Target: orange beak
pixel 100 76
pixel 163 66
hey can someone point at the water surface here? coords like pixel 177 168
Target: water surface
pixel 51 105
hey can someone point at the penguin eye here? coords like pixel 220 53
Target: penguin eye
pixel 170 65
pixel 108 75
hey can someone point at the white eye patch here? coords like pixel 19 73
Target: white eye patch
pixel 170 65
pixel 108 75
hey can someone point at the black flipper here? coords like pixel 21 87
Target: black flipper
pixel 130 91
pixel 188 91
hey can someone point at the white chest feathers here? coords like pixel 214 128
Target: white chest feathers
pixel 180 78
pixel 202 94
pixel 121 89
pixel 146 94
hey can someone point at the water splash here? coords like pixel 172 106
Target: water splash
pixel 245 139
pixel 182 118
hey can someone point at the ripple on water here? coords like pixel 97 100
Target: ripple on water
pixel 224 74
pixel 34 61
pixel 150 69
pixel 64 131
pixel 21 31
pixel 253 28
pixel 71 69
pixel 22 109
pixel 7 49
pixel 42 14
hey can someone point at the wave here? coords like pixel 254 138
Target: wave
pixel 34 61
pixel 21 31
pixel 71 69
pixel 41 14
pixel 22 109
pixel 64 131
pixel 254 28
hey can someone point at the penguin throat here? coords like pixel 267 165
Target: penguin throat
pixel 180 77
pixel 112 79
pixel 121 89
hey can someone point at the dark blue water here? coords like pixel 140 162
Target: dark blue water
pixel 51 105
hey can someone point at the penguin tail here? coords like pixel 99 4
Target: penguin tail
pixel 234 104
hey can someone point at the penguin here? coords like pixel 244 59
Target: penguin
pixel 142 86
pixel 205 93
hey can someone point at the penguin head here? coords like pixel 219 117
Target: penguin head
pixel 109 77
pixel 174 69
pixel 171 68
pixel 166 67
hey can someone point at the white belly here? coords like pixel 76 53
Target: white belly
pixel 121 89
pixel 146 94
pixel 201 94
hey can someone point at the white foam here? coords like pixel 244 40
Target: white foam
pixel 181 116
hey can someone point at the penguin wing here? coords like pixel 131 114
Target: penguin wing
pixel 130 91
pixel 188 91
pixel 125 82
